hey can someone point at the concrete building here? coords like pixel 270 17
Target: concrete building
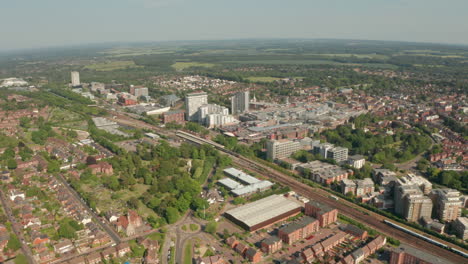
pixel 138 91
pixel 193 101
pixel 169 100
pixel 416 206
pixel 329 151
pixel 357 187
pixel 75 78
pixel 277 149
pixel 356 161
pixel 409 198
pixel 461 227
pixel 447 204
pixel 240 103
pixel 324 213
pixel 322 172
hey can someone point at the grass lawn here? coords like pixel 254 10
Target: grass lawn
pixel 60 117
pixel 188 253
pixel 112 66
pixel 346 55
pixel 180 66
pixel 193 227
pixel 262 79
pixel 172 259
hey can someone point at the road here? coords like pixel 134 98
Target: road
pixel 112 234
pixel 24 247
pixel 346 208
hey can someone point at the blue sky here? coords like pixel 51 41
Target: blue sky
pixel 43 23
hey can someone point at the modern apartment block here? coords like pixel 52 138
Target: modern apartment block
pixel 240 103
pixel 283 148
pixel 193 102
pixel 75 78
pixel 357 187
pixel 356 161
pixel 416 206
pixel 329 151
pixel 138 91
pixel 447 204
pixel 461 227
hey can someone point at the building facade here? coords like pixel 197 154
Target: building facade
pixel 240 103
pixel 447 204
pixel 193 101
pixel 324 213
pixel 277 149
pixel 75 78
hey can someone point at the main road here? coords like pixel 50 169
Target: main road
pixel 347 208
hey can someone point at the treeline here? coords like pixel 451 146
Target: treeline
pixel 381 148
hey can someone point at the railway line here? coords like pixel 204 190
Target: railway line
pixel 349 209
pixel 346 208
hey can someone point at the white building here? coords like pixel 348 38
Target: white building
pixel 356 161
pixel 13 82
pixel 75 78
pixel 193 102
pixel 240 103
pixel 277 149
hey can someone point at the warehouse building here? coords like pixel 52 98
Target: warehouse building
pixel 264 212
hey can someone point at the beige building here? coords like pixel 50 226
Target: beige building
pixel 75 78
pixel 193 102
pixel 277 149
pixel 447 204
pixel 461 227
pixel 416 206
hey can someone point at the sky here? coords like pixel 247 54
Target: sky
pixel 28 24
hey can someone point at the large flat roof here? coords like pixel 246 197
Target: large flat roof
pixel 263 210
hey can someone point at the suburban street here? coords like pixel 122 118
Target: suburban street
pixel 16 229
pixel 114 236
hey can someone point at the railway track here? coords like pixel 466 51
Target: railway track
pixel 346 208
pixel 349 209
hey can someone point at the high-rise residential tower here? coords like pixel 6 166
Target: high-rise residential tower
pixel 240 103
pixel 75 78
pixel 193 101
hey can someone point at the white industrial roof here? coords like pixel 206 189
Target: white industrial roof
pixel 230 184
pixel 251 188
pixel 241 176
pixel 263 210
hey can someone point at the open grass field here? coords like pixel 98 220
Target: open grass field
pixel 293 62
pixel 262 79
pixel 347 55
pixel 188 253
pixel 180 66
pixel 112 66
pixel 137 51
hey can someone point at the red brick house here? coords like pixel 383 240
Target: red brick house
pixel 101 168
pixel 271 245
pixel 253 255
pixel 298 230
pixel 325 214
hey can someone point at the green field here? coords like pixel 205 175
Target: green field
pixel 124 52
pixel 293 62
pixel 180 66
pixel 347 55
pixel 112 66
pixel 262 79
pixel 188 253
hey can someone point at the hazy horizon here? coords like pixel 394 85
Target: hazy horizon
pixel 58 23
